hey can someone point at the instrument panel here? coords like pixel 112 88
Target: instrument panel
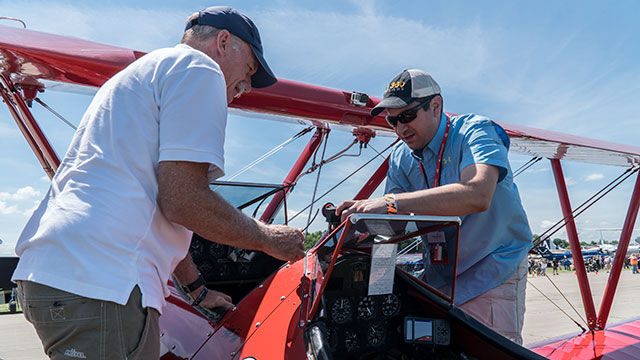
pixel 358 323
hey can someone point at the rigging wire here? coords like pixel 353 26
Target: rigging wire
pixel 315 188
pixel 269 153
pixel 527 165
pixel 343 180
pixel 586 204
pixel 559 308
pixel 55 113
pixel 314 166
pixel 374 149
pixel 565 298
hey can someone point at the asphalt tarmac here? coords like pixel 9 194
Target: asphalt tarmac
pixel 543 320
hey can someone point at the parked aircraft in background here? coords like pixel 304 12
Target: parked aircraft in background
pixel 611 248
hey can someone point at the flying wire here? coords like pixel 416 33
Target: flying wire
pixel 559 308
pixel 315 188
pixel 343 180
pixel 567 300
pixel 527 165
pixel 269 153
pixel 55 113
pixel 586 204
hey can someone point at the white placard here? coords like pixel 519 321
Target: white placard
pixel 383 266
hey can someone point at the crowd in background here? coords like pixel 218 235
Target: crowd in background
pixel 538 266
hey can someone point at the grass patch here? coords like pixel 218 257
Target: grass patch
pixel 4 308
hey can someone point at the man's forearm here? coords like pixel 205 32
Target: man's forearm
pixel 186 271
pixel 446 200
pixel 185 199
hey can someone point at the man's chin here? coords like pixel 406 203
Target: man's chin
pixel 412 143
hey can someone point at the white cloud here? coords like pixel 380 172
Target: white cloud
pixel 594 177
pixel 24 193
pixel 569 181
pixel 6 209
pixel 545 224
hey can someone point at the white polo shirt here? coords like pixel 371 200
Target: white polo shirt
pixel 99 230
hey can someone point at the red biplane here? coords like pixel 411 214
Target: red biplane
pixel 359 292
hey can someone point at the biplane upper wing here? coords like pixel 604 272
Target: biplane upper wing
pixel 27 57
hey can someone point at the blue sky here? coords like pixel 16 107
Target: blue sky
pixel 559 65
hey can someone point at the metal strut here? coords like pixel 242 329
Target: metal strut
pixel 28 126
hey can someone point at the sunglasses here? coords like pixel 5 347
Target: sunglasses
pixel 408 115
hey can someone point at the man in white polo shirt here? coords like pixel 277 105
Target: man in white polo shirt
pixel 97 253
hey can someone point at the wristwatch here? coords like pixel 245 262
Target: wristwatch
pixel 392 205
pixel 189 288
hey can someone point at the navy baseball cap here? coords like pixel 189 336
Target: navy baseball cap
pixel 405 88
pixel 224 17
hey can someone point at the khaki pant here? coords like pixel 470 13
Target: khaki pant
pixel 502 308
pixel 75 327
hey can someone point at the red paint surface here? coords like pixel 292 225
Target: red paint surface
pixel 618 342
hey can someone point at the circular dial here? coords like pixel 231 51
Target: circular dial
pixel 197 249
pixel 341 310
pixel 375 334
pixel 332 337
pixel 350 340
pixel 218 250
pixel 367 308
pixel 244 268
pixel 390 305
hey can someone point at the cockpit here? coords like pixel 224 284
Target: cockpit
pixel 375 286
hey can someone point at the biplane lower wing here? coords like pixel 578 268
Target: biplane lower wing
pixel 619 341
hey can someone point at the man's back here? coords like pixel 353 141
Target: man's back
pixel 101 210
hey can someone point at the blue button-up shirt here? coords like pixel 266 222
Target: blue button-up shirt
pixel 492 243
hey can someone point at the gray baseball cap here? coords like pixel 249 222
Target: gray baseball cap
pixel 224 17
pixel 405 88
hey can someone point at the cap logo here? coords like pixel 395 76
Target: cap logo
pixel 395 85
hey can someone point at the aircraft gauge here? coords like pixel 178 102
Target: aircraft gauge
pixel 342 310
pixel 350 340
pixel 375 334
pixel 390 305
pixel 367 308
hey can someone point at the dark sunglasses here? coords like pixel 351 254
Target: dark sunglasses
pixel 408 115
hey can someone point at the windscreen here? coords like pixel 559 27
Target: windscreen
pixel 423 246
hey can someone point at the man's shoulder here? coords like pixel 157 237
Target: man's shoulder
pixel 469 124
pixel 466 122
pixel 179 57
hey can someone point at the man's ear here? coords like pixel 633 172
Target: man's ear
pixel 223 42
pixel 436 105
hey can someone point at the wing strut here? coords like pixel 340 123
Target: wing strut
pixel 614 275
pixel 574 242
pixel 276 202
pixel 29 127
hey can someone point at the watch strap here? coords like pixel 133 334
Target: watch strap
pixel 200 297
pixel 392 206
pixel 189 288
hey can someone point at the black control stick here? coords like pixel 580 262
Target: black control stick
pixel 329 213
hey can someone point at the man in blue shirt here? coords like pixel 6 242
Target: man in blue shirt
pixel 458 166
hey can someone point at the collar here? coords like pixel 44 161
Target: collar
pixel 434 144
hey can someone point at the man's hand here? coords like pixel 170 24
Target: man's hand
pixel 348 207
pixel 283 242
pixel 216 299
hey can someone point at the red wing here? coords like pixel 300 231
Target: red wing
pixel 29 56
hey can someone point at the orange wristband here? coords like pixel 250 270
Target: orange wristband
pixel 392 206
